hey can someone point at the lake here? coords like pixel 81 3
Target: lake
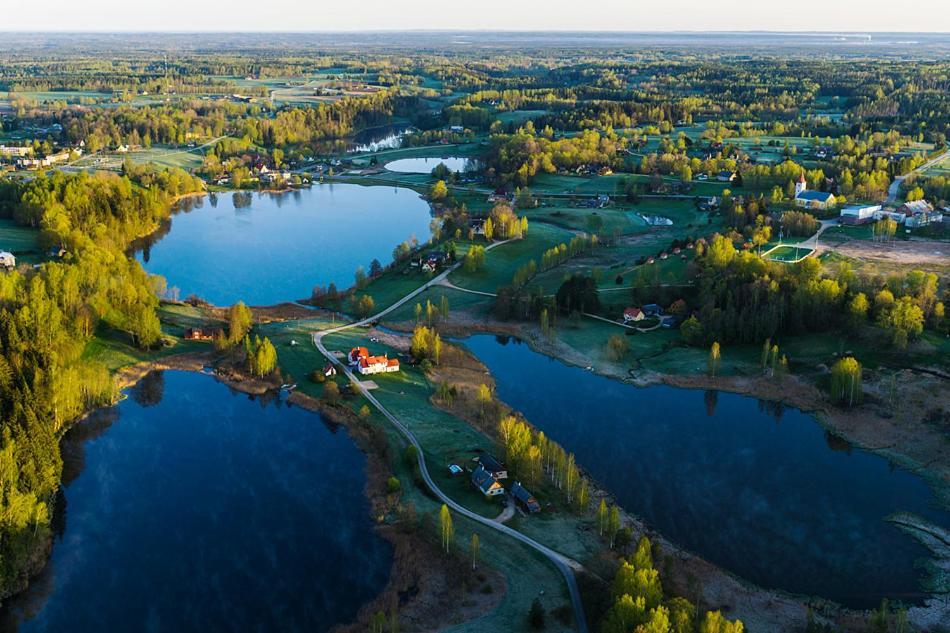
pixel 192 507
pixel 426 165
pixel 268 248
pixel 758 489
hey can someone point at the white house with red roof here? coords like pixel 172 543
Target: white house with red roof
pixel 378 365
pixel 633 314
pixel 365 364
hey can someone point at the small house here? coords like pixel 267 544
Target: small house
pixel 7 260
pixel 913 208
pixel 200 334
pixel 726 176
pixel 329 370
pixel 524 499
pixel 485 483
pixel 633 314
pixel 493 466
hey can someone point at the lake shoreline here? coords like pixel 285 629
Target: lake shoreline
pixel 722 588
pixel 432 593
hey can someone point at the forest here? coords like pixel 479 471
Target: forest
pixel 48 317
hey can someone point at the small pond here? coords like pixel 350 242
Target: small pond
pixel 426 165
pixel 756 488
pixel 268 248
pixel 191 507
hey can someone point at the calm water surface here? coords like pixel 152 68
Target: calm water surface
pixel 426 165
pixel 759 490
pixel 190 507
pixel 268 248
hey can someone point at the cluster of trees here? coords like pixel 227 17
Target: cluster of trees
pixel 426 344
pixel 531 454
pixel 743 298
pixel 846 382
pixel 48 316
pixel 638 603
pixel 799 223
pixel 557 255
pixel 475 259
pixel 503 224
pixel 578 293
pixel 518 158
pixel 432 313
pixel 260 356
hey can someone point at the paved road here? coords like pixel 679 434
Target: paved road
pixel 894 189
pixel 563 563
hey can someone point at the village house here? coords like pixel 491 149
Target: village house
pixel 359 357
pixel 200 334
pixel 15 152
pixel 633 314
pixel 378 365
pixel 329 370
pixel 807 199
pixel 486 484
pixel 859 213
pixel 493 466
pixel 52 159
pixel 7 260
pixel 918 214
pixel 524 499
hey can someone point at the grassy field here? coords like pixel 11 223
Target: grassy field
pixel 69 96
pixel 184 158
pixel 787 253
pixel 941 168
pixel 114 349
pixel 22 241
pixel 520 116
pixel 502 262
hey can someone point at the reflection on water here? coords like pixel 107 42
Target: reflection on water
pixel 755 487
pixel 426 165
pixel 190 507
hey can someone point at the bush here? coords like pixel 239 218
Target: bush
pixel 393 485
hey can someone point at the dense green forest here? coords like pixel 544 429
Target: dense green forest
pixel 48 316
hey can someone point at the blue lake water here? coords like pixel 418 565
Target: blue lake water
pixel 759 490
pixel 190 507
pixel 426 165
pixel 268 248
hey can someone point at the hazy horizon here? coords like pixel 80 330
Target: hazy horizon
pixel 616 16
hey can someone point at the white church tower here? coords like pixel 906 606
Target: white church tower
pixel 801 185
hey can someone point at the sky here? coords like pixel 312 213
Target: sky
pixel 519 15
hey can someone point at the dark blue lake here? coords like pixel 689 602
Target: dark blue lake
pixel 190 507
pixel 267 248
pixel 757 489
